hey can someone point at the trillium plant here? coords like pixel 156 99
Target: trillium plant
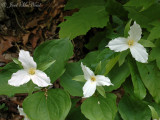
pixel 104 66
pixel 137 50
pixel 92 81
pixel 29 72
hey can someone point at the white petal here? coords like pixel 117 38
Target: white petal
pixel 102 80
pixel 19 78
pixel 118 44
pixel 87 72
pixel 26 60
pixel 135 32
pixel 41 79
pixel 21 112
pixel 139 53
pixel 89 88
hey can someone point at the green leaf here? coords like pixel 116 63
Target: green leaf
pixel 72 4
pixel 133 109
pixel 116 8
pixel 143 17
pixel 150 76
pixel 101 90
pixel 146 43
pixel 94 57
pixel 75 112
pixel 156 110
pixel 154 55
pixel 118 116
pixel 55 107
pixel 122 57
pixel 15 60
pixel 5 75
pixel 154 113
pixel 117 76
pixel 82 21
pixel 127 28
pixel 72 86
pixel 53 50
pixel 139 89
pixel 111 64
pixel 98 68
pixel 79 78
pixel 100 108
pixel 154 34
pixel 140 3
pixel 45 66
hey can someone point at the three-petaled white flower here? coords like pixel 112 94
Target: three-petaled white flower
pixel 137 50
pixel 92 81
pixel 29 72
pixel 21 112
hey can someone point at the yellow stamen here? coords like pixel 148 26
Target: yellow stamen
pixel 93 78
pixel 130 43
pixel 32 71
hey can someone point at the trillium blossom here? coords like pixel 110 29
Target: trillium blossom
pixel 92 81
pixel 137 50
pixel 21 112
pixel 29 72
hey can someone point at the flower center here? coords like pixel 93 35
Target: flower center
pixel 93 78
pixel 32 71
pixel 130 43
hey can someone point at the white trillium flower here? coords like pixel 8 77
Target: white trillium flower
pixel 92 81
pixel 137 50
pixel 29 72
pixel 21 112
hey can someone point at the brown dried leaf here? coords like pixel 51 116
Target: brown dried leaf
pixel 5 45
pixel 25 38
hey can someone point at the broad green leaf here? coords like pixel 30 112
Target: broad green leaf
pixel 146 43
pixel 118 116
pixel 54 107
pixel 79 78
pixel 5 75
pixel 133 109
pixel 93 58
pixel 155 109
pixel 122 57
pixel 139 89
pixel 116 8
pixel 72 86
pixel 82 21
pixel 117 76
pixel 45 66
pixel 150 76
pixel 154 33
pixel 154 55
pixel 154 113
pixel 111 64
pixel 100 108
pixel 75 112
pixel 72 4
pixel 98 68
pixel 101 90
pixel 140 3
pixel 60 50
pixel 127 28
pixel 143 17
